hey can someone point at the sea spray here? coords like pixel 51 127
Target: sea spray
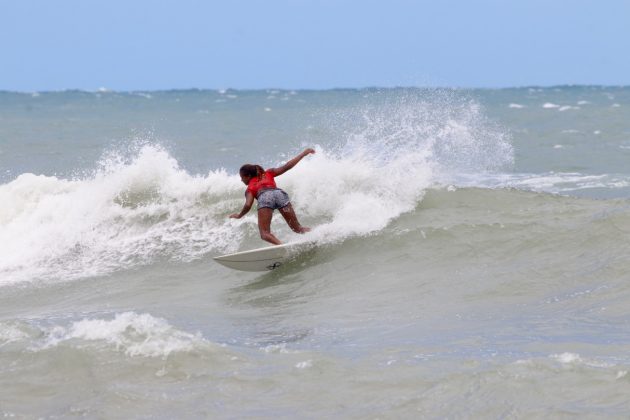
pixel 384 153
pixel 140 206
pixel 478 302
pixel 124 215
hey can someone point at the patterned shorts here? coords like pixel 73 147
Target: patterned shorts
pixel 273 198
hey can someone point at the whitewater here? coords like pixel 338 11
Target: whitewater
pixel 471 254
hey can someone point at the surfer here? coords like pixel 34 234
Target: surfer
pixel 262 186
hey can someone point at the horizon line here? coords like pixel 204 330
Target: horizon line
pixel 231 89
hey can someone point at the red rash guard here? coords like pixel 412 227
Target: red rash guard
pixel 257 184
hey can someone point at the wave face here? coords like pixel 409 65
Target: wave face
pixel 140 206
pixel 471 256
pixel 130 212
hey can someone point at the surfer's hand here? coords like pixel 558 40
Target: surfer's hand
pixel 235 216
pixel 308 151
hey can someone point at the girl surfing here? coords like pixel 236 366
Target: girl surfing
pixel 262 186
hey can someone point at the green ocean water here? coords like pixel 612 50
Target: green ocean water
pixel 471 258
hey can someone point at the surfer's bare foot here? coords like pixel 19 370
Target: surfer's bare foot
pixel 304 229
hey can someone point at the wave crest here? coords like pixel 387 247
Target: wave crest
pixel 139 206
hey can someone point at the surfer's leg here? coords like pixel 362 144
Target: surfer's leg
pixel 292 220
pixel 264 225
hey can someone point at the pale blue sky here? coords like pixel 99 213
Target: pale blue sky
pixel 152 44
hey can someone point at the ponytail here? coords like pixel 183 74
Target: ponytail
pixel 252 170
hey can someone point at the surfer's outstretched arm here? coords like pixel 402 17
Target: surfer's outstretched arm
pixel 249 201
pixel 290 164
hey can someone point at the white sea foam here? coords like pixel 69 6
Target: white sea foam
pixel 568 358
pixel 10 333
pixel 516 106
pixel 277 348
pixel 305 364
pixel 567 108
pixel 386 163
pixel 139 206
pixel 549 105
pixel 144 95
pixel 131 333
pixel 546 182
pixel 129 212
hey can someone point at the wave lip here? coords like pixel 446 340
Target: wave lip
pixel 129 332
pixel 391 150
pixel 139 206
pixel 129 212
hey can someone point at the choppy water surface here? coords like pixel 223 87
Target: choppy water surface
pixel 471 259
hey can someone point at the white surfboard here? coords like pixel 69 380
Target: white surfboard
pixel 263 259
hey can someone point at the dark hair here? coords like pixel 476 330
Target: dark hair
pixel 251 170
